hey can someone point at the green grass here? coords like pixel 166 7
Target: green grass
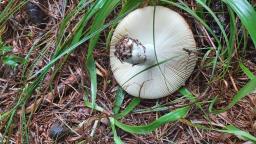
pixel 93 16
pixel 11 8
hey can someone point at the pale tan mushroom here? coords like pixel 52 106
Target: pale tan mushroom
pixel 144 70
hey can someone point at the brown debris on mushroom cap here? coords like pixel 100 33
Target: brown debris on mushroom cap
pixel 124 47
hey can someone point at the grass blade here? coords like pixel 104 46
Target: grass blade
pixel 246 13
pixel 226 129
pixel 117 139
pixel 90 63
pixel 202 3
pixel 186 93
pixel 129 108
pixel 98 22
pixel 170 117
pixel 239 133
pixel 118 100
pixel 247 71
pixel 247 89
pixel 24 128
pixel 186 8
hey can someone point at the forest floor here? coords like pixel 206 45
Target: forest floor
pixel 56 110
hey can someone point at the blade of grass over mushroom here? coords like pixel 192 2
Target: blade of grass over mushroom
pixel 119 98
pixel 246 13
pixel 152 66
pixel 128 109
pixel 186 8
pixel 173 116
pixel 244 91
pixel 154 46
pixel 90 62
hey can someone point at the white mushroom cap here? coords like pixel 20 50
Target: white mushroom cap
pixel 133 57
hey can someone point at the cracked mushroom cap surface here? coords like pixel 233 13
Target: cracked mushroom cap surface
pixel 151 52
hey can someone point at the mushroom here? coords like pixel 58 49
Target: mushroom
pixel 151 64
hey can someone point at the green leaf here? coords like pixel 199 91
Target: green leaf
pixel 73 47
pixel 215 18
pixel 5 49
pixel 13 60
pixel 247 15
pixel 170 117
pixel 24 127
pixel 185 92
pixel 247 71
pixel 96 107
pixel 118 100
pixel 9 123
pixel 129 108
pixel 239 133
pixel 11 8
pixel 232 35
pixel 97 6
pixel 98 22
pixel 186 8
pixel 117 139
pixel 228 129
pixel 61 41
pixel 90 63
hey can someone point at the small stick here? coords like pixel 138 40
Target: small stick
pixel 94 128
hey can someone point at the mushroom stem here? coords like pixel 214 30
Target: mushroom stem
pixel 132 51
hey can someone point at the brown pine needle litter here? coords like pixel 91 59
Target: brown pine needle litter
pixel 47 76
